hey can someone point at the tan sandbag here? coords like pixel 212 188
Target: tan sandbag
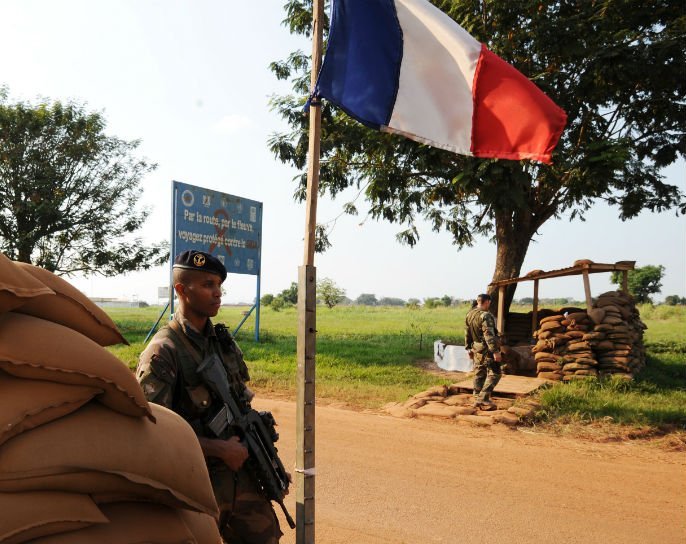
pixel 578 327
pixel 575 335
pixel 71 308
pixel 578 346
pixel 587 372
pixel 546 366
pixel 573 367
pixel 551 326
pixel 131 522
pixel 603 328
pixel 436 409
pixel 596 314
pixel 605 345
pixel 25 404
pixel 586 360
pixel 594 336
pixel 25 516
pixel 555 376
pixel 437 391
pixel 581 262
pixel 201 526
pixel 552 318
pixel 578 317
pixel 164 456
pixel 18 287
pixel 34 348
pixel 544 355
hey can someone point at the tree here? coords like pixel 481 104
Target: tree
pixel 614 67
pixel 267 299
pixel 329 292
pixel 391 301
pixel 68 191
pixel 413 303
pixel 447 300
pixel 675 300
pixel 366 299
pixel 642 282
pixel 290 295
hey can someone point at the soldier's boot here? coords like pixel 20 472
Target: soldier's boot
pixel 485 403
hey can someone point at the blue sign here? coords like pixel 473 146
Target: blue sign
pixel 229 227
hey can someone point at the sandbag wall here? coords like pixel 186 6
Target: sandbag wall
pixel 622 350
pixel 83 457
pixel 608 339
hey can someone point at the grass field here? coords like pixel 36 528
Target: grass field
pixel 366 357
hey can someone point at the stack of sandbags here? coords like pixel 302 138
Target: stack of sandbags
pixel 622 352
pixel 564 350
pixel 550 347
pixel 579 360
pixel 83 456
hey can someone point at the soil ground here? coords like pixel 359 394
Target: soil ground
pixel 386 480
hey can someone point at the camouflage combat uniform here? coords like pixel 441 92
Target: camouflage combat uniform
pixel 166 372
pixel 481 336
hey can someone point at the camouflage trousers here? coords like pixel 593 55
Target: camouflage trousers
pixel 247 517
pixel 487 374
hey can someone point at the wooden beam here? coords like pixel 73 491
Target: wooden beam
pixel 501 310
pixel 307 311
pixel 534 313
pixel 587 291
pixel 305 415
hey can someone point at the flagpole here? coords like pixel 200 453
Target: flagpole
pixel 307 313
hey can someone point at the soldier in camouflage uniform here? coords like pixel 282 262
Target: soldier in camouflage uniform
pixel 167 374
pixel 483 346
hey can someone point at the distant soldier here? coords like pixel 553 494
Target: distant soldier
pixel 483 345
pixel 167 374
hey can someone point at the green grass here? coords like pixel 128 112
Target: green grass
pixel 366 356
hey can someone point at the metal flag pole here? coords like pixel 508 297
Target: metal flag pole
pixel 307 312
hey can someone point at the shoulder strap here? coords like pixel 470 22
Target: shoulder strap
pixel 180 335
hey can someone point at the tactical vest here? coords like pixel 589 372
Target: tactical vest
pixel 192 398
pixel 474 321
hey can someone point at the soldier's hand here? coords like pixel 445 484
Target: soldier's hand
pixel 470 353
pixel 234 453
pixel 497 356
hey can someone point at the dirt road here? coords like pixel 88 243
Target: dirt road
pixel 387 480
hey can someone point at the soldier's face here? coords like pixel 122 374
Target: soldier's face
pixel 201 293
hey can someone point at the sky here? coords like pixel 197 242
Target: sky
pixel 191 80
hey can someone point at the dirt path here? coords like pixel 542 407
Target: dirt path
pixel 391 481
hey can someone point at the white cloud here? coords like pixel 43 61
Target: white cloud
pixel 232 124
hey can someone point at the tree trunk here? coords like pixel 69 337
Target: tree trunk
pixel 513 234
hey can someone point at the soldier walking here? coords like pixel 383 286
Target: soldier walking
pixel 483 345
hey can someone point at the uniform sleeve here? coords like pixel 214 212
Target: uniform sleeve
pixel 156 374
pixel 490 336
pixel 468 340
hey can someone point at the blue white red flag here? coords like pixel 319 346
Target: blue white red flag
pixel 404 66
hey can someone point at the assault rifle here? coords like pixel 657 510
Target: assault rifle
pixel 255 429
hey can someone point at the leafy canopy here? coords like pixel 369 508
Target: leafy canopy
pixel 642 282
pixel 68 191
pixel 615 67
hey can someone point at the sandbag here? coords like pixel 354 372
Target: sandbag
pixel 436 409
pixel 164 456
pixel 551 326
pixel 201 526
pixel 25 404
pixel 555 376
pixel 18 287
pixel 71 308
pixel 131 522
pixel 25 516
pixel 546 366
pixel 34 348
pixel 552 318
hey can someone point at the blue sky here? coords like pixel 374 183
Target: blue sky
pixel 191 80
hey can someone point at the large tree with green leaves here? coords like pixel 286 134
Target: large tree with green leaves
pixel 615 66
pixel 69 191
pixel 642 282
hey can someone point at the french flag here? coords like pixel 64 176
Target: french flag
pixel 404 66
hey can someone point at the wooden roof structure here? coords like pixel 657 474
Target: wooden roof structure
pixel 583 268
